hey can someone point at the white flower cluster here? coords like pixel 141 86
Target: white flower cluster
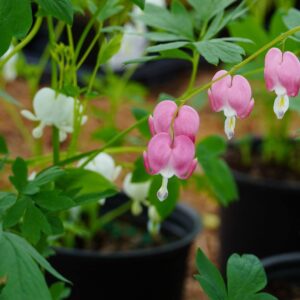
pixel 52 109
pixel 133 43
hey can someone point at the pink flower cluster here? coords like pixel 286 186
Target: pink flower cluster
pixel 171 150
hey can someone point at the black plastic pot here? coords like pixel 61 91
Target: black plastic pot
pixel 283 271
pixel 265 221
pixel 148 274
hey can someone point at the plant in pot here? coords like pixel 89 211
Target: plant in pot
pixel 72 200
pixel 264 221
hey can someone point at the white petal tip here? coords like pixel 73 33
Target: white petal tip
pixel 281 106
pixel 162 194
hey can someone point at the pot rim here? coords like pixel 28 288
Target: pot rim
pixel 182 242
pixel 279 259
pixel 266 182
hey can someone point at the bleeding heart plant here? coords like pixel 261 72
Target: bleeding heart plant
pixel 59 205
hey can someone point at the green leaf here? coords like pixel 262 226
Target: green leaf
pixel 292 19
pixel 57 227
pixel 207 9
pixel 140 3
pixel 109 48
pixel 15 21
pixel 15 213
pixel 142 60
pixel 211 147
pixel 246 277
pixel 183 18
pixel 166 207
pixel 109 9
pixel 161 36
pixel 143 128
pixel 53 201
pixel 161 18
pixel 216 170
pixel 60 9
pixel 222 19
pixel 89 186
pixel 6 201
pixel 29 250
pixel 139 173
pixel 34 223
pixel 20 172
pixel 59 291
pixel 48 176
pixel 249 28
pixel 210 278
pixel 175 54
pixel 219 50
pixel 3 145
pixel 167 46
pixel 25 280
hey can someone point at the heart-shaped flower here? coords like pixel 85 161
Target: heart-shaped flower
pixel 170 157
pixel 233 96
pixel 282 75
pixel 137 192
pixel 186 122
pixel 10 68
pixel 52 109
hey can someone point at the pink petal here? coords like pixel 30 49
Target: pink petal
pixel 218 92
pixel 182 159
pixel 240 95
pixel 272 60
pixel 187 122
pixel 289 73
pixel 248 110
pixel 151 125
pixel 158 153
pixel 163 114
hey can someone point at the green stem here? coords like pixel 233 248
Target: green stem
pixel 195 62
pixel 93 153
pixel 45 56
pixel 52 43
pixel 89 49
pixel 110 216
pixel 24 42
pixel 55 144
pixel 71 44
pixel 87 30
pixel 278 39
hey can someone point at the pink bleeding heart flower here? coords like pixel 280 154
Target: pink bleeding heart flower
pixel 170 157
pixel 186 121
pixel 233 96
pixel 282 75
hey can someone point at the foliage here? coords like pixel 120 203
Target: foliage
pixel 245 278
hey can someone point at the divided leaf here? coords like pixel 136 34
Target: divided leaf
pixel 220 50
pixel 245 278
pixel 60 9
pixel 216 170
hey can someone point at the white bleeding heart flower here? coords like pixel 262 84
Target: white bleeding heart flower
pixel 137 191
pixel 105 165
pixel 52 109
pixel 154 220
pixel 133 46
pixel 10 68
